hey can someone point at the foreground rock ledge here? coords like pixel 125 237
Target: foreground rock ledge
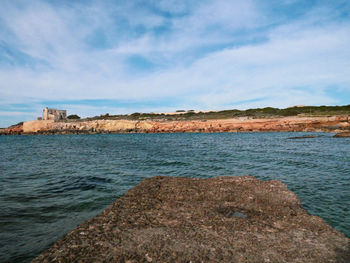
pixel 223 219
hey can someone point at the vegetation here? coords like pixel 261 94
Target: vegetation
pixel 267 112
pixel 18 124
pixel 73 117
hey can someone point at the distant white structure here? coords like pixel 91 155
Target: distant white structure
pixel 54 114
pixel 297 106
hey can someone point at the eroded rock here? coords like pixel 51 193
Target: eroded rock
pixel 304 137
pixel 12 130
pixel 342 135
pixel 223 219
pixel 278 124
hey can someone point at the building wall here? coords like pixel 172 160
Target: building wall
pixel 54 114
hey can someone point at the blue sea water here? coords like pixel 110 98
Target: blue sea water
pixel 51 183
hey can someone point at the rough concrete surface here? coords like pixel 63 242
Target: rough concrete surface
pixel 223 219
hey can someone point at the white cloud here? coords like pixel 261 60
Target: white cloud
pixel 295 64
pixel 14 113
pixel 310 59
pixel 223 14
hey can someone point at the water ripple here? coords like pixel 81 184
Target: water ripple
pixel 49 184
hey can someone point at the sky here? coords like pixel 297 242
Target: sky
pixel 94 57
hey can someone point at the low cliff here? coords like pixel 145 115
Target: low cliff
pixel 242 124
pixel 12 130
pixel 223 219
pixel 331 124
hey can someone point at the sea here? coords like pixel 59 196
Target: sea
pixel 51 183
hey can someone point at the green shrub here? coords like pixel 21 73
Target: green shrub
pixel 73 117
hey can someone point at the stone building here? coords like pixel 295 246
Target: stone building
pixel 54 114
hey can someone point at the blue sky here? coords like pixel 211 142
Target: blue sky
pixel 96 57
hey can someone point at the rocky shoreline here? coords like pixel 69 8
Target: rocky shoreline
pixel 287 124
pixel 223 219
pixel 342 135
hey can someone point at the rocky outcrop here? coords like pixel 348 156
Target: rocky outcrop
pixel 223 219
pixel 342 135
pixel 12 130
pixel 338 123
pixel 303 137
pixel 37 126
pixel 307 124
pixel 96 126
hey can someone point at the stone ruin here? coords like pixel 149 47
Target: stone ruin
pixel 54 114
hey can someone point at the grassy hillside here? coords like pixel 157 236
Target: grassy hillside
pixel 226 114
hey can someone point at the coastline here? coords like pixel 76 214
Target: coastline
pixel 333 124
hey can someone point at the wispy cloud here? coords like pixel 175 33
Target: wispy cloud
pixel 163 55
